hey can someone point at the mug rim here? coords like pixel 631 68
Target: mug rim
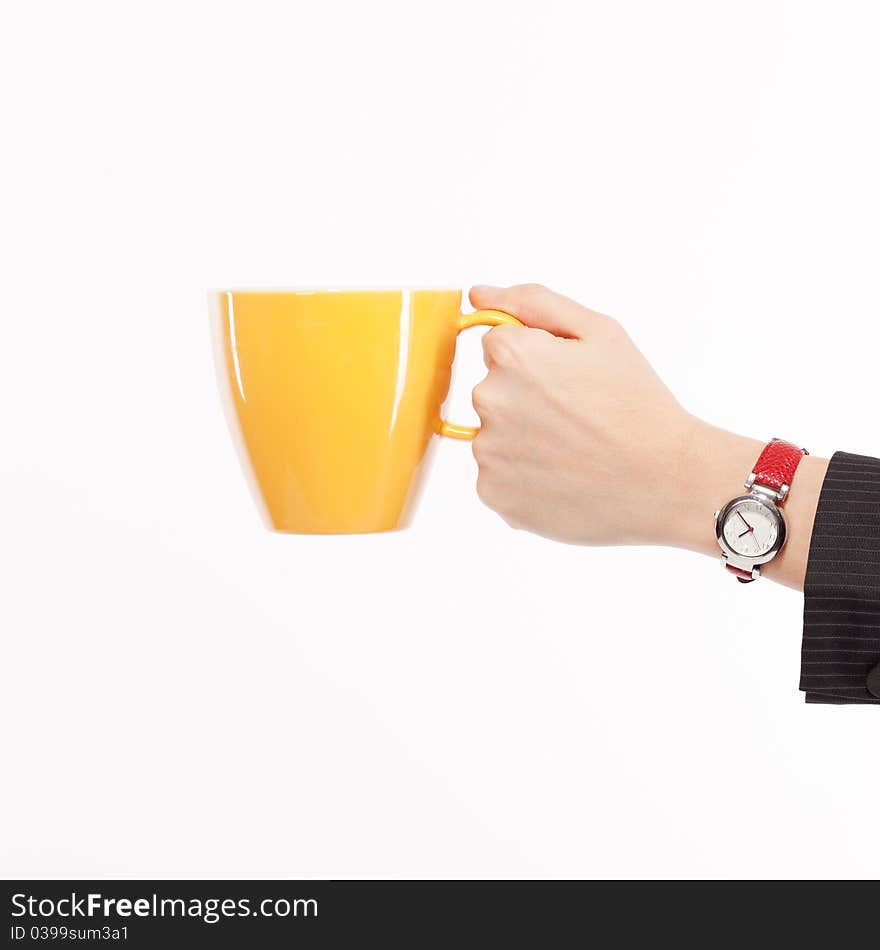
pixel 332 290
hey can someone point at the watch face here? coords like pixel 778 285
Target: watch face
pixel 750 529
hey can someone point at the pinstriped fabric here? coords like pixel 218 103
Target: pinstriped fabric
pixel 841 643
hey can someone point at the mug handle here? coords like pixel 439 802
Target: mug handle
pixel 479 318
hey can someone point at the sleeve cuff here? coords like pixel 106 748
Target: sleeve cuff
pixel 840 654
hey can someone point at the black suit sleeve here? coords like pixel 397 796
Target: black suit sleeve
pixel 840 657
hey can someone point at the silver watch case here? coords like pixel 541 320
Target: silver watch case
pixel 763 497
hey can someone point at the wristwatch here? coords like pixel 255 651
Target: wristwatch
pixel 750 528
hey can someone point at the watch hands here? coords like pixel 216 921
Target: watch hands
pixel 744 521
pixel 750 529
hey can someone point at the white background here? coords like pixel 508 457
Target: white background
pixel 185 694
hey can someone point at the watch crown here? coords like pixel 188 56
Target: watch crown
pixel 715 514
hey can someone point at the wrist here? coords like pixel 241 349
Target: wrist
pixel 715 464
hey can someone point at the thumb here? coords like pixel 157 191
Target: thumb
pixel 536 306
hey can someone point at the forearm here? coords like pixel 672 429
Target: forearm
pixel 712 469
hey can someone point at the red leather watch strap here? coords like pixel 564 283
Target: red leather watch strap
pixel 774 470
pixel 777 464
pixel 744 577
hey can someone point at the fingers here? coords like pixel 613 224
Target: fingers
pixel 482 398
pixel 502 349
pixel 536 306
pixel 517 347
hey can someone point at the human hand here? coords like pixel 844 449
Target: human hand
pixel 582 442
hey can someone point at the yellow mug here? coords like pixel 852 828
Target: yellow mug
pixel 334 397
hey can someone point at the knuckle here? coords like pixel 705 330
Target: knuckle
pixel 501 345
pixel 484 490
pixel 478 447
pixel 607 325
pixel 532 290
pixel 494 496
pixel 481 398
pixel 512 521
pixel 532 297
